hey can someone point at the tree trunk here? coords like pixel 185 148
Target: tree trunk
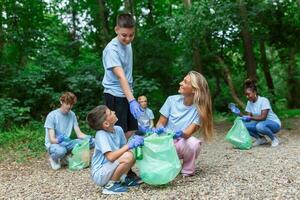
pixel 266 68
pixel 292 82
pixel 74 40
pixel 247 42
pixel 228 79
pixel 196 54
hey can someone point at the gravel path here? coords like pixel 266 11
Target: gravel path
pixel 222 173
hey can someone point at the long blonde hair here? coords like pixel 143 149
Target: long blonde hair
pixel 202 100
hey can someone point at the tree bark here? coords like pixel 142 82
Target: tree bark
pixel 228 79
pixel 266 68
pixel 247 42
pixel 292 82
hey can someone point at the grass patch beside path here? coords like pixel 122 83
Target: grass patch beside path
pixel 22 143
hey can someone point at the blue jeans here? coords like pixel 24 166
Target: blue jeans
pixel 58 151
pixel 258 128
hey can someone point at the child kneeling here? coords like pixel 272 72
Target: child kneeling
pixel 112 157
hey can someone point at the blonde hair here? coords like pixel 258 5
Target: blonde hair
pixel 202 100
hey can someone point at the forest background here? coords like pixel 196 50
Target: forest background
pixel 51 46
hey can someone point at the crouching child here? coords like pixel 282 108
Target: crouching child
pixel 112 158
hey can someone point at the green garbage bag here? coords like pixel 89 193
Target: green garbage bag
pixel 80 158
pixel 160 163
pixel 239 136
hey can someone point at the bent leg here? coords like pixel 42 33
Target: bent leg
pixel 268 128
pixel 188 150
pixel 57 152
pixel 251 127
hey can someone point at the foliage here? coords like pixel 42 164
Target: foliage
pixel 10 113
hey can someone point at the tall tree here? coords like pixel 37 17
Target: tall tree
pixel 247 41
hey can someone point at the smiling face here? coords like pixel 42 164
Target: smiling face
pixel 111 118
pixel 186 88
pixel 125 35
pixel 143 101
pixel 251 95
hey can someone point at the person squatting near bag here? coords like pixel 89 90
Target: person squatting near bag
pixel 185 114
pixel 58 127
pixel 260 119
pixel 112 158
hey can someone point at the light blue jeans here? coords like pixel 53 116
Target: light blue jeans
pixel 58 151
pixel 258 128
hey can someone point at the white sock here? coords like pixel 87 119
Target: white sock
pixel 122 178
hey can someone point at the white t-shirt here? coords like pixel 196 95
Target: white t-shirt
pixel 262 103
pixel 145 119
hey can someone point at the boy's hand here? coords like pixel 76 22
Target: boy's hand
pixel 135 142
pixel 159 130
pixel 178 134
pixel 60 139
pixel 135 109
pixel 246 118
pixel 234 109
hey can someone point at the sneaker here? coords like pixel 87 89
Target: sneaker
pixel 114 188
pixel 65 161
pixel 133 175
pixel 54 165
pixel 275 142
pixel 260 141
pixel 130 181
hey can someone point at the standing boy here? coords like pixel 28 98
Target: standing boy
pixel 59 124
pixel 112 157
pixel 117 81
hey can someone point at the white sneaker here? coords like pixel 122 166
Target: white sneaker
pixel 54 165
pixel 275 142
pixel 260 141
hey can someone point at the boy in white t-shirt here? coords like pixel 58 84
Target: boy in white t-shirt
pixel 145 120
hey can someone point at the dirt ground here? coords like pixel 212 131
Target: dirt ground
pixel 222 173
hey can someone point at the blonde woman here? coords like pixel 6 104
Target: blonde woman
pixel 185 114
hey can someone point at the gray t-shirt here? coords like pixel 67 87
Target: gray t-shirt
pixel 262 103
pixel 145 118
pixel 63 122
pixel 179 115
pixel 116 54
pixel 105 142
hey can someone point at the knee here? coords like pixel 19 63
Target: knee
pixel 57 150
pixel 260 127
pixel 193 144
pixel 128 157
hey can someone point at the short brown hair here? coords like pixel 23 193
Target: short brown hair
pixel 68 98
pixel 125 21
pixel 96 117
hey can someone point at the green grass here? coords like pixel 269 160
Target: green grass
pixel 283 114
pixel 22 143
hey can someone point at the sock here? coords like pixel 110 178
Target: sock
pixel 122 178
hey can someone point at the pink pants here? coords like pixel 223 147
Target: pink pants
pixel 188 150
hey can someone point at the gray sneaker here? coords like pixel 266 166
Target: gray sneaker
pixel 54 165
pixel 275 142
pixel 260 141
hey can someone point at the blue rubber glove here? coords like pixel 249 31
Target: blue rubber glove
pixel 135 142
pixel 178 134
pixel 135 109
pixel 234 109
pixel 246 118
pixel 145 130
pixel 60 139
pixel 159 130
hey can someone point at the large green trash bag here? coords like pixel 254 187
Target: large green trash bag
pixel 239 136
pixel 160 163
pixel 80 158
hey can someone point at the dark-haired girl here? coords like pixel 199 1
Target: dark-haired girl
pixel 260 120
